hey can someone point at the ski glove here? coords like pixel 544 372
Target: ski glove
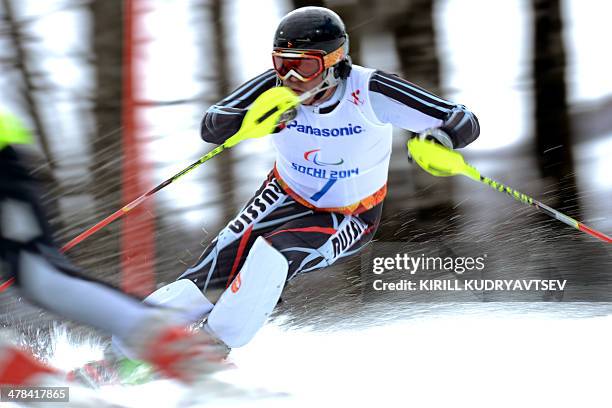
pixel 272 108
pixel 433 156
pixel 437 135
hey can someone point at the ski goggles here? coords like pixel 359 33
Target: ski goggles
pixel 304 65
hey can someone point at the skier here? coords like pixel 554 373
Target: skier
pixel 322 201
pixel 44 276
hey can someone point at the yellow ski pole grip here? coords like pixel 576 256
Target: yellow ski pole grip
pixel 439 160
pixel 265 114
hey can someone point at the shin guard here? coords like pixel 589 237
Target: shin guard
pixel 246 304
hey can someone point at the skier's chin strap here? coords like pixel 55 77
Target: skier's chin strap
pixel 330 80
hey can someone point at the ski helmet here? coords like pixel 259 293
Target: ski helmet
pixel 316 29
pixel 12 131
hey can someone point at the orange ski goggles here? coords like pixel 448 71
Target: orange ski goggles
pixel 304 65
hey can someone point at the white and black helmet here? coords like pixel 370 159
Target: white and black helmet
pixel 317 29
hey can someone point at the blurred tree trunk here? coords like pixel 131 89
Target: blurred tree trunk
pixel 107 44
pixel 225 164
pixel 353 14
pixel 415 39
pixel 552 121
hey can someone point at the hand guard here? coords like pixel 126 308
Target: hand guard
pixel 436 135
pixel 270 109
pixel 434 159
pixel 286 117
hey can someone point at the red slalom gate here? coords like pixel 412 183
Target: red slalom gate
pixel 138 232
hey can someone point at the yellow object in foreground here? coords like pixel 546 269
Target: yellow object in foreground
pixel 439 160
pixel 264 114
pixel 12 131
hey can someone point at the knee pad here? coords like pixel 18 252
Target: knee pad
pixel 245 305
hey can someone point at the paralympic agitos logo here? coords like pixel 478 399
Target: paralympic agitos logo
pixel 313 156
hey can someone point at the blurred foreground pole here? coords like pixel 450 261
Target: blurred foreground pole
pixel 137 238
pixel 552 121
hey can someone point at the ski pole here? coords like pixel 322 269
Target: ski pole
pixel 441 161
pixel 129 207
pixel 274 106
